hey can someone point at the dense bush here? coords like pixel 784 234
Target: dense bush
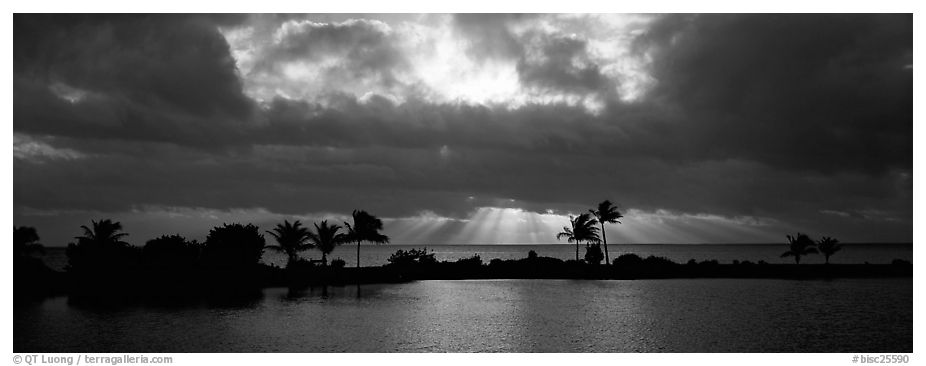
pixel 593 254
pixel 233 246
pixel 475 261
pixel 628 260
pixel 173 251
pixel 654 261
pixel 338 263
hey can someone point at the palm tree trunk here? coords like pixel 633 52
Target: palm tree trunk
pixel 577 250
pixel 827 259
pixel 604 238
pixel 358 254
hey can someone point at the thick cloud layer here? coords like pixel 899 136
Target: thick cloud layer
pixel 702 127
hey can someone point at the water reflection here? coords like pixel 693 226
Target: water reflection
pixel 871 315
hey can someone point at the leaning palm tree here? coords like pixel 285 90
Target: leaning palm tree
pixel 105 233
pixel 291 239
pixel 606 213
pixel 366 227
pixel 326 238
pixel 798 246
pixel 828 246
pixel 583 229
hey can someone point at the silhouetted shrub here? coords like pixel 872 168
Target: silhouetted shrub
pixel 531 255
pixel 411 257
pixel 628 260
pixel 593 254
pixel 233 246
pixel 302 264
pixel 26 242
pixel 338 263
pixel 746 263
pixel 653 261
pixel 736 262
pixel 901 262
pixel 172 251
pixel 474 261
pixel 761 262
pixel 692 262
pixel 496 262
pixel 712 262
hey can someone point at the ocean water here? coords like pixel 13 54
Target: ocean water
pixel 684 315
pixel 375 255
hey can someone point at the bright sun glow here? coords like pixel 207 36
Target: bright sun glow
pixel 496 225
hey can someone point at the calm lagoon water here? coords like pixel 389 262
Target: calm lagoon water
pixel 686 315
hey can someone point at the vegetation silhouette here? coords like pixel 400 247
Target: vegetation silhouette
pixel 171 252
pixel 233 246
pixel 326 238
pixel 366 227
pixel 593 253
pixel 828 246
pixel 227 268
pixel 291 239
pixel 798 246
pixel 26 242
pixel 101 247
pixel 583 229
pixel 31 277
pixel 606 213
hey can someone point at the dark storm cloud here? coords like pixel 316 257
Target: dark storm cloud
pixel 366 48
pixel 160 78
pixel 172 62
pixel 821 92
pixel 796 118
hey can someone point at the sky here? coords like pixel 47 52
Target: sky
pixel 468 128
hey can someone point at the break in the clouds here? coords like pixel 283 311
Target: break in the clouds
pixel 476 128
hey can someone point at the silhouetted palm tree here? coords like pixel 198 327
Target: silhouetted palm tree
pixel 366 227
pixel 606 213
pixel 828 246
pixel 798 246
pixel 104 233
pixel 101 247
pixel 291 239
pixel 326 238
pixel 583 229
pixel 26 241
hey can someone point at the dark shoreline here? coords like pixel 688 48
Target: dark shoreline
pixel 34 280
